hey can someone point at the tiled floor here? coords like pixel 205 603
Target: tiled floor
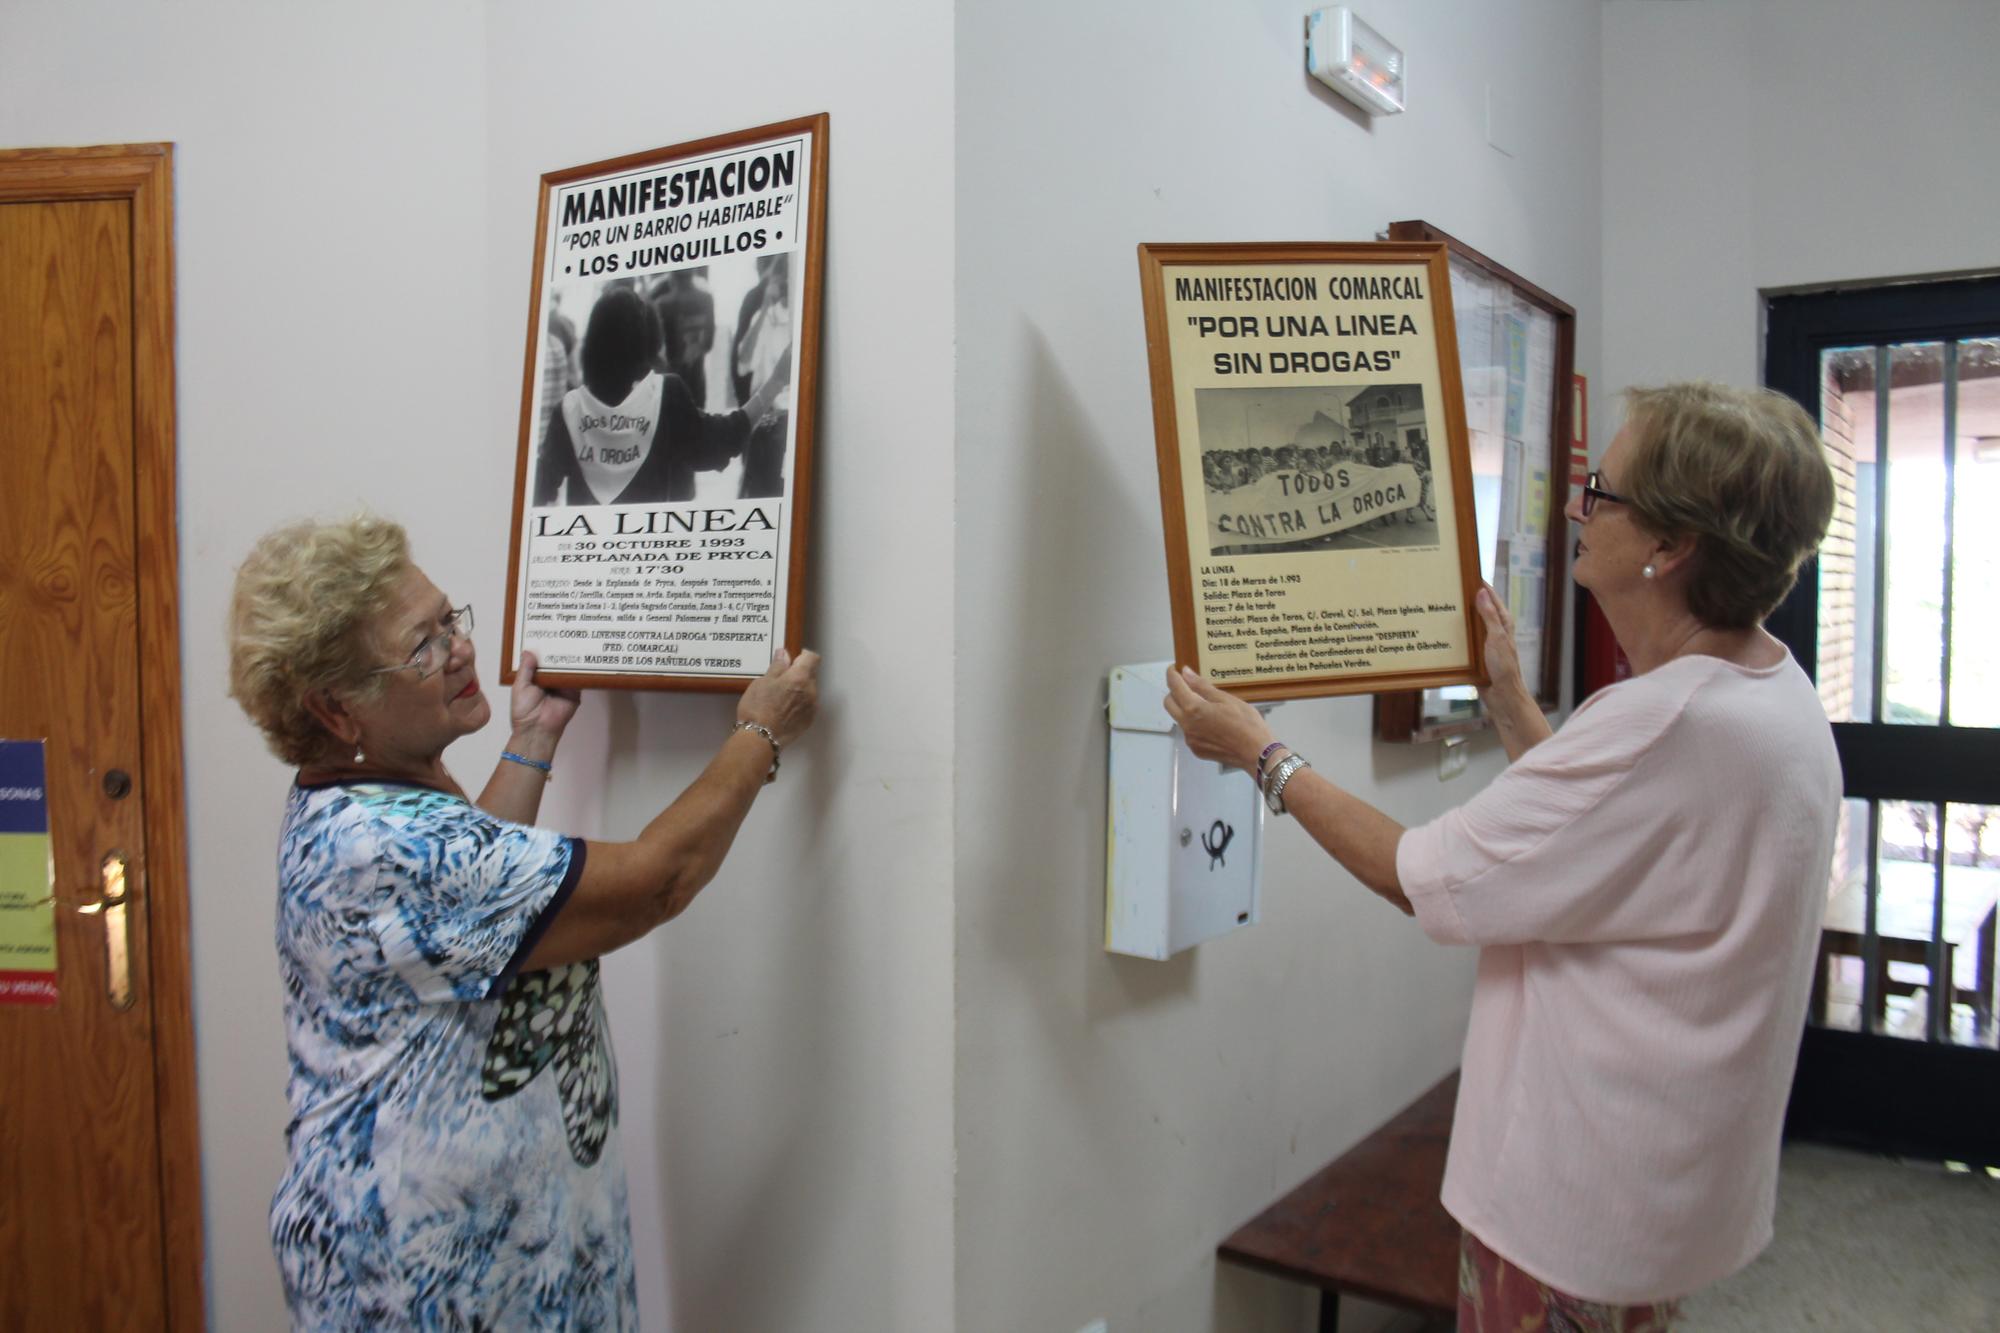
pixel 1870 1245
pixel 1864 1244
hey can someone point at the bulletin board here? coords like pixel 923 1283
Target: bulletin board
pixel 1517 354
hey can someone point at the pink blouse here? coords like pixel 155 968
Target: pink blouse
pixel 1646 887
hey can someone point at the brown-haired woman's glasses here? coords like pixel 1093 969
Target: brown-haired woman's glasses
pixel 1592 493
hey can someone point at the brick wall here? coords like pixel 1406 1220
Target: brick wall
pixel 1836 591
pixel 1836 559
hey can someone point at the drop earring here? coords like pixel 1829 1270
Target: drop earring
pixel 357 744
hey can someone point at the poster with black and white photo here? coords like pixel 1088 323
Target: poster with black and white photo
pixel 1316 469
pixel 1314 472
pixel 662 472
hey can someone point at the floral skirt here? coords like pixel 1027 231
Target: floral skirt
pixel 1496 1297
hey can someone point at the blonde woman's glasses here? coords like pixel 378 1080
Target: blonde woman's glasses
pixel 432 654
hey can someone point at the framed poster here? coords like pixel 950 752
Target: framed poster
pixel 1313 467
pixel 1516 350
pixel 663 475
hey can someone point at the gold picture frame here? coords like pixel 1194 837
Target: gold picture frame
pixel 1314 477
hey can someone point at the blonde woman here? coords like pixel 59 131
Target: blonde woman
pixel 452 1159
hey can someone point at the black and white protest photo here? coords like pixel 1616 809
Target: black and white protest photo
pixel 665 387
pixel 1335 467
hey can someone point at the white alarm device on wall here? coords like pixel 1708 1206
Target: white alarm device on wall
pixel 1355 61
pixel 1185 835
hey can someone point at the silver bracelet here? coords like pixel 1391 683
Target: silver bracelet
pixel 1281 776
pixel 765 732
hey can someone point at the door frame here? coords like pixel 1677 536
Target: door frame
pixel 1886 1094
pixel 142 176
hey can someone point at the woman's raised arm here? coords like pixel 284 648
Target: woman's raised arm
pixel 628 888
pixel 539 717
pixel 1221 727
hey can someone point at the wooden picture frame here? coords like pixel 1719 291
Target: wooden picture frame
pixel 1540 574
pixel 1314 478
pixel 663 473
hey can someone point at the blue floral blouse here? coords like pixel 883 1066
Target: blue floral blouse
pixel 453 1156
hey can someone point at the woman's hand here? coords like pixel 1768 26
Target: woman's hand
pixel 535 711
pixel 1509 701
pixel 785 698
pixel 1218 726
pixel 1503 659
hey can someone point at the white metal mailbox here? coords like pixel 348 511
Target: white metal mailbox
pixel 1186 837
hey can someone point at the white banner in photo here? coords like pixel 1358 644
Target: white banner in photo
pixel 1295 506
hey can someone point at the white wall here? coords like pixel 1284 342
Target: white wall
pixel 325 179
pixel 355 195
pixel 1116 1118
pixel 1777 143
pixel 785 1045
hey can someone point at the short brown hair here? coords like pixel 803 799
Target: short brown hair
pixel 1742 471
pixel 298 621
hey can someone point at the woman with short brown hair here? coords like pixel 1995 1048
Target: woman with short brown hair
pixel 1742 474
pixel 1644 886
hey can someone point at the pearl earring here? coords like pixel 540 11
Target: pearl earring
pixel 357 744
pixel 1648 571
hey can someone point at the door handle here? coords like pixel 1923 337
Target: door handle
pixel 113 906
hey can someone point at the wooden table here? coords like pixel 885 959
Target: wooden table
pixel 1369 1224
pixel 1903 929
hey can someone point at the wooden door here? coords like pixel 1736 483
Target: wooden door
pixel 101 1224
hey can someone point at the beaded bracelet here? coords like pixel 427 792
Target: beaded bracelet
pixel 1266 754
pixel 543 766
pixel 765 732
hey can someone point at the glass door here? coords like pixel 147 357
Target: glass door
pixel 1899 622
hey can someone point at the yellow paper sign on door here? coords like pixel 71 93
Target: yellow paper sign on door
pixel 27 879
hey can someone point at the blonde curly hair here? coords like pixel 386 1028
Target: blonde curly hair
pixel 299 618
